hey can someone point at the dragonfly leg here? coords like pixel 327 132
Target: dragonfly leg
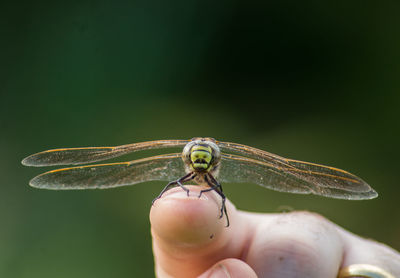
pixel 167 187
pixel 184 179
pixel 207 190
pixel 183 187
pixel 172 184
pixel 216 186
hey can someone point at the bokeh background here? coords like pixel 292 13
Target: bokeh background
pixel 310 80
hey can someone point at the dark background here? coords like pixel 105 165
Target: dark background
pixel 311 80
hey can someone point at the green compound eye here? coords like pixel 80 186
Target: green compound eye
pixel 201 157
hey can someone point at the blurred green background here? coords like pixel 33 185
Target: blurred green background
pixel 311 80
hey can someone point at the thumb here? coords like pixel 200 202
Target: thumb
pixel 229 268
pixel 188 235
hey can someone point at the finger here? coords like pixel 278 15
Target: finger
pixel 298 244
pixel 188 235
pixel 359 250
pixel 229 268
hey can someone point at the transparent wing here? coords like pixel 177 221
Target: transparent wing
pixel 74 156
pixel 295 177
pixel 253 153
pixel 163 167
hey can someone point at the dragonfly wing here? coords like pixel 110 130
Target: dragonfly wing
pixel 251 152
pixel 295 177
pixel 75 156
pixel 238 169
pixel 330 181
pixel 163 167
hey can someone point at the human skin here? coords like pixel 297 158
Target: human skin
pixel 189 240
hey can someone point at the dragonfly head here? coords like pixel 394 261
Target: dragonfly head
pixel 201 154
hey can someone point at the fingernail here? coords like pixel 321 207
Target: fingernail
pixel 219 271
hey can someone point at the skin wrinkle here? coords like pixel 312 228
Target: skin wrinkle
pixel 246 234
pixel 252 220
pixel 246 247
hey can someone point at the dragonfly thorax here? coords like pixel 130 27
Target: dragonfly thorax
pixel 201 155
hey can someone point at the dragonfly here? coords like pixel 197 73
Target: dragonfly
pixel 205 161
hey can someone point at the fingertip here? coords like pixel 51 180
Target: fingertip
pixel 189 220
pixel 229 268
pixel 188 234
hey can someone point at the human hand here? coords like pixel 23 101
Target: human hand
pixel 190 241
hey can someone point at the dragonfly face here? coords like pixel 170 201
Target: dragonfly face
pixel 201 155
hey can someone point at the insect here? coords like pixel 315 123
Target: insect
pixel 205 161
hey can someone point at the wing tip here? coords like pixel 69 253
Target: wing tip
pixel 373 194
pixel 367 195
pixel 27 161
pixel 35 183
pixel 40 182
pixel 34 161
